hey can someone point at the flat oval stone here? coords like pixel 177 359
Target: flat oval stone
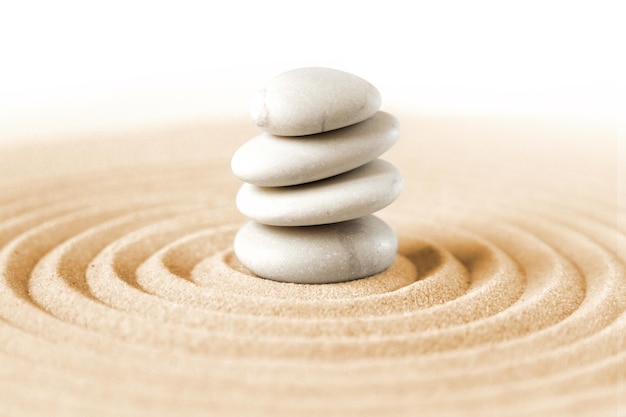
pixel 312 100
pixel 276 161
pixel 317 254
pixel 353 194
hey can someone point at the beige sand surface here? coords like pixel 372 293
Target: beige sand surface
pixel 120 296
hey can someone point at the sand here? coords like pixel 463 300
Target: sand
pixel 120 295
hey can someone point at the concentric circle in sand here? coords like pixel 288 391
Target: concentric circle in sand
pixel 120 294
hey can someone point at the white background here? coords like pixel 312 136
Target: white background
pixel 74 66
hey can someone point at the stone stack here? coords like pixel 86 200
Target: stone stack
pixel 313 180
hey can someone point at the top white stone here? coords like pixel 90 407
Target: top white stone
pixel 313 100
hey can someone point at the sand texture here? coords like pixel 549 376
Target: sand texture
pixel 120 295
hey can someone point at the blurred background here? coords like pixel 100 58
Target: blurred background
pixel 69 67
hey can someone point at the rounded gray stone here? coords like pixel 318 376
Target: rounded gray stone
pixel 312 100
pixel 356 193
pixel 317 254
pixel 274 161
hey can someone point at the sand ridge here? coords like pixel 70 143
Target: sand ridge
pixel 120 295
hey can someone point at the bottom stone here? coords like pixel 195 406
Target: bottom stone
pixel 317 254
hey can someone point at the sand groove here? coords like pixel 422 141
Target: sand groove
pixel 120 294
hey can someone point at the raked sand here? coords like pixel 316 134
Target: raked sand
pixel 120 294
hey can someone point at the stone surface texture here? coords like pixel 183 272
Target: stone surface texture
pixel 276 161
pixel 356 193
pixel 317 254
pixel 306 101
